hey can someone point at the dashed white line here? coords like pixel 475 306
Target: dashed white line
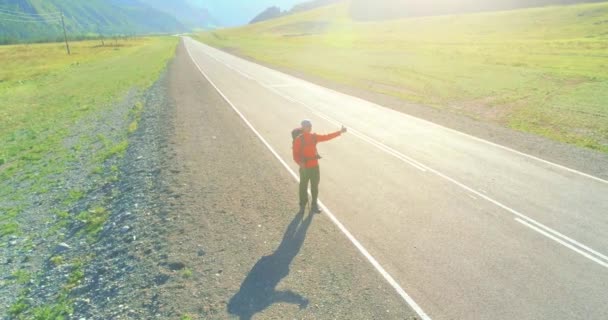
pixel 281 85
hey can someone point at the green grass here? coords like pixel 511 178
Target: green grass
pixel 57 260
pixel 7 229
pixel 44 93
pixel 542 70
pixel 186 273
pixel 45 96
pixel 22 276
pixel 58 311
pixel 17 308
pixel 93 220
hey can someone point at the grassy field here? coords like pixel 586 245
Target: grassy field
pixel 64 120
pixel 542 70
pixel 43 90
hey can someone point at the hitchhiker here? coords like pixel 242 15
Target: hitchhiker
pixel 306 156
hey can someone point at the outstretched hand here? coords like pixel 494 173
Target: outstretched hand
pixel 343 130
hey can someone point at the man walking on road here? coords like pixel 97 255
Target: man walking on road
pixel 306 156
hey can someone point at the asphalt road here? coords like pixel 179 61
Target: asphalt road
pixel 466 228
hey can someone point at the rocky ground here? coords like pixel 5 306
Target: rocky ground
pixel 43 261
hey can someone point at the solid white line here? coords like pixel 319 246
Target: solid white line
pixel 292 78
pixel 583 253
pixel 423 167
pixel 326 210
pixel 237 70
pixel 284 85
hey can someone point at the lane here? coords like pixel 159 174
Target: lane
pixel 457 255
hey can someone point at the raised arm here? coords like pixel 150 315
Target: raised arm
pixel 326 137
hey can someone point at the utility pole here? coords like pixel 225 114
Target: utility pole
pixel 65 36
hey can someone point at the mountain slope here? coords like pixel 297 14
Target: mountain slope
pixel 191 16
pixel 81 17
pixel 391 9
pixel 269 13
pixel 275 12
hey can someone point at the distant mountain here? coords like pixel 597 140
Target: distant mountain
pixel 310 5
pixel 392 9
pixel 275 12
pixel 269 13
pixel 185 12
pixel 30 20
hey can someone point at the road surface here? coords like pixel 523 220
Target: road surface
pixel 461 227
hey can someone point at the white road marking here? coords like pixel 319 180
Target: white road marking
pixel 326 210
pixel 577 250
pixel 246 75
pixel 421 166
pixel 281 85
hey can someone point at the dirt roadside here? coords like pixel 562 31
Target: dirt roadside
pixel 236 245
pixel 585 160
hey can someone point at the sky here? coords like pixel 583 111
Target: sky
pixel 240 12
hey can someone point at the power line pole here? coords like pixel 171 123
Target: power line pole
pixel 65 36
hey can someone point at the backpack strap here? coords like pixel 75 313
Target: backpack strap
pixel 302 145
pixel 302 148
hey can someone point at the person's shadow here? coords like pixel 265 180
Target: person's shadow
pixel 258 290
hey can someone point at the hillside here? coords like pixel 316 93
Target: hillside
pixel 32 21
pixel 540 70
pixel 276 12
pixel 392 9
pixel 191 16
pixel 269 13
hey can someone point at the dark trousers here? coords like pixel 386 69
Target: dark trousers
pixel 312 175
